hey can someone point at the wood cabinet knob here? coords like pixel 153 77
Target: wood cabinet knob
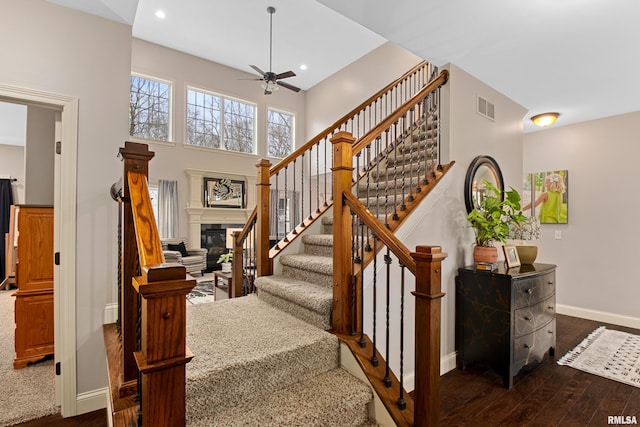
pixel 166 315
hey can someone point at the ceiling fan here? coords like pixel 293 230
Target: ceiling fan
pixel 272 80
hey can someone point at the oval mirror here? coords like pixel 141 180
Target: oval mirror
pixel 482 168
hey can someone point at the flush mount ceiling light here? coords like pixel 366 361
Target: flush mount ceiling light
pixel 545 119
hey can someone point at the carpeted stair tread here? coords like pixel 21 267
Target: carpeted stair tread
pixel 245 348
pixel 307 301
pixel 334 398
pixel 318 244
pixel 309 268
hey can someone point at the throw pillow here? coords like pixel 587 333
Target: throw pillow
pixel 180 248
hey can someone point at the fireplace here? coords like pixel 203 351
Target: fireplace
pixel 213 238
pixel 209 224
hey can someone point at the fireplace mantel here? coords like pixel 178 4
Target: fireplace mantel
pixel 199 215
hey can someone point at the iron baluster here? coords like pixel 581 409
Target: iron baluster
pixel 401 402
pixel 354 260
pixel 374 357
pixel 412 128
pixel 395 171
pixel 361 341
pixel 293 226
pixel 310 190
pixel 286 204
pixel 387 378
pixel 404 167
pixel 302 191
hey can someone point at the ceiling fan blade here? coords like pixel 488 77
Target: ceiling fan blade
pixel 288 86
pixel 262 73
pixel 285 75
pixel 256 79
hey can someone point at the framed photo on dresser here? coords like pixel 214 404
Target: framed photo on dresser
pixel 511 256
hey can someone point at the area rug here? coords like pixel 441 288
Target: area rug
pixel 610 354
pixel 203 292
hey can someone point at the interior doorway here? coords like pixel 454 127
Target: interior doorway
pixel 64 201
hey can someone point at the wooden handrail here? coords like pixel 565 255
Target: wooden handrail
pixel 147 237
pixel 381 232
pixel 247 226
pixel 361 144
pixel 291 157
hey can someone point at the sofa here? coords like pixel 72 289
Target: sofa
pixel 178 251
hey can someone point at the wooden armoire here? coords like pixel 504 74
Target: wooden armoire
pixel 34 277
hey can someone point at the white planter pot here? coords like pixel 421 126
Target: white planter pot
pixel 226 267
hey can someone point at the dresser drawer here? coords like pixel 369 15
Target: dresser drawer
pixel 529 319
pixel 534 345
pixel 531 290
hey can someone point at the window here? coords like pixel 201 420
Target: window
pixel 149 108
pixel 214 121
pixel 279 133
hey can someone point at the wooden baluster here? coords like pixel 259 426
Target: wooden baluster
pixel 428 294
pixel 342 173
pixel 263 185
pixel 136 158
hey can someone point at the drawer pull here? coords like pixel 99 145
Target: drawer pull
pixel 550 307
pixel 550 282
pixel 529 291
pixel 527 318
pixel 527 346
pixel 550 331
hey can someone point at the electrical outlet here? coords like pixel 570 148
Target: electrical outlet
pixel 558 234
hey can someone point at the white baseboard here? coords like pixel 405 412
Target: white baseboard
pixel 448 362
pixel 91 401
pixel 599 316
pixel 110 313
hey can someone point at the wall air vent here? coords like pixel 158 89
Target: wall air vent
pixel 486 108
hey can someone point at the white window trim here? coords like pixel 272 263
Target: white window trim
pixel 223 97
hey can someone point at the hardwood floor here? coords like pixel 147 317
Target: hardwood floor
pixel 92 419
pixel 544 395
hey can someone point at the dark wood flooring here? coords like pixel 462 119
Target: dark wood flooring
pixel 544 395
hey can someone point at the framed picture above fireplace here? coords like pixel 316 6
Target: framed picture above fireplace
pixel 224 193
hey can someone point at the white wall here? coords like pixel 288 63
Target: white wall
pixel 12 164
pixel 39 156
pixel 50 48
pixel 182 70
pixel 596 256
pixel 335 96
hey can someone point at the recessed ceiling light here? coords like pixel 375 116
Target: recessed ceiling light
pixel 303 67
pixel 160 14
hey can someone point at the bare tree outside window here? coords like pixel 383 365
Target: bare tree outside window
pixel 149 111
pixel 203 119
pixel 217 122
pixel 279 133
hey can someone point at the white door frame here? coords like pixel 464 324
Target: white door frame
pixel 64 299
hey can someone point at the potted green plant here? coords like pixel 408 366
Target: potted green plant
pixel 491 219
pixel 225 262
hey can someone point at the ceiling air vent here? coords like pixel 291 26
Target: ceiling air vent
pixel 486 108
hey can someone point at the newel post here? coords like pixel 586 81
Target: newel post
pixel 428 294
pixel 342 176
pixel 263 188
pixel 135 157
pixel 164 353
pixel 237 273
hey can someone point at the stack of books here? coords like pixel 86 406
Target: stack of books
pixel 486 266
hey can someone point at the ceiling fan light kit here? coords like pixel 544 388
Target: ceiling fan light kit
pixel 271 81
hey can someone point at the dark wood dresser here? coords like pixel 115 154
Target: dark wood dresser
pixel 505 318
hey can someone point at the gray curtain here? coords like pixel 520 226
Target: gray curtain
pixel 167 209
